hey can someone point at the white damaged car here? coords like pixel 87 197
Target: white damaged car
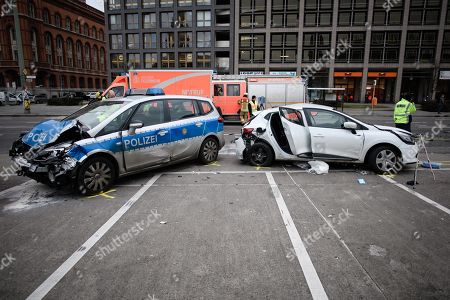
pixel 310 131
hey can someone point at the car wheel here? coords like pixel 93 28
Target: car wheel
pixel 209 151
pixel 260 154
pixel 384 159
pixel 95 175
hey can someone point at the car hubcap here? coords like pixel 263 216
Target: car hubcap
pixel 386 160
pixel 97 176
pixel 210 151
pixel 259 156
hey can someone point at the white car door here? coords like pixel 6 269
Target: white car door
pixel 329 140
pixel 297 134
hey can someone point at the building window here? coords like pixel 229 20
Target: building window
pixel 79 54
pixel 184 2
pixel 150 41
pixel 446 47
pixel 114 4
pixel 357 41
pixel 31 9
pixel 251 48
pixel 34 45
pixel 132 21
pixel 102 59
pixel 185 39
pixel 149 20
pixel 116 41
pixel 68 24
pixel 95 58
pixel 101 35
pixel 284 13
pixel 59 51
pixel 132 40
pixel 151 60
pixel 385 47
pixel 382 16
pixel 420 46
pixel 184 60
pixel 167 40
pixel 184 19
pixel 46 16
pixel 203 39
pixel 94 33
pixel 203 2
pixel 77 27
pixel 134 60
pixel 318 13
pixel 203 59
pixel 87 56
pixel 424 12
pixel 48 48
pixel 115 22
pixel 168 60
pixel 252 13
pixel 166 3
pixel 148 3
pixel 203 18
pixel 86 30
pixel 58 20
pixel 131 4
pixel 167 20
pixel 12 37
pixel 352 12
pixel 116 61
pixel 283 48
pixel 69 50
pixel 315 45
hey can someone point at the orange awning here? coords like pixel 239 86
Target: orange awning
pixel 348 74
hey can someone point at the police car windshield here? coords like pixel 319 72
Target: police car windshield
pixel 95 113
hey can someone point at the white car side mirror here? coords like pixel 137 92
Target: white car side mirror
pixel 350 125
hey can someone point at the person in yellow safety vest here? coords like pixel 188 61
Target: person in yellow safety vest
pixel 243 114
pixel 402 114
pixel 253 105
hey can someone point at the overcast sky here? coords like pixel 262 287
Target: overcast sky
pixel 98 4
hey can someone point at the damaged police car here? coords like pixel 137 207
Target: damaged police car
pixel 114 138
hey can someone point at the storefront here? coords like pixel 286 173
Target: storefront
pixel 382 86
pixel 351 82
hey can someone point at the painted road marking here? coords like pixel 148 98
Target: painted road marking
pixel 103 194
pixel 53 280
pixel 312 279
pixel 418 195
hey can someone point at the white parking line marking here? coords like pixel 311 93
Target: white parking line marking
pixel 51 281
pixel 312 279
pixel 418 195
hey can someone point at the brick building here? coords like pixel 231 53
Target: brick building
pixel 63 45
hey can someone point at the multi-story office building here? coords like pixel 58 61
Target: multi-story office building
pixel 63 45
pixel 164 34
pixel 367 47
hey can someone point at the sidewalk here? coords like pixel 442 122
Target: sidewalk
pixel 37 110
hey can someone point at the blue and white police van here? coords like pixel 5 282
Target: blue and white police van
pixel 113 138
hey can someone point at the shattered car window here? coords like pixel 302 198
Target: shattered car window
pixel 94 114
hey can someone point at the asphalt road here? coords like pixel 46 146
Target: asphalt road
pixel 231 231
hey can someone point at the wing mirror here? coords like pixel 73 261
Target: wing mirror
pixel 351 126
pixel 133 126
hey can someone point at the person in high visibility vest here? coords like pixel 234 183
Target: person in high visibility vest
pixel 402 114
pixel 243 103
pixel 253 105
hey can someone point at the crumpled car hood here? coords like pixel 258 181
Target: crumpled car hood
pixel 390 128
pixel 47 132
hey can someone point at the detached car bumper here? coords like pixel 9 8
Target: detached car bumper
pixel 409 154
pixel 240 148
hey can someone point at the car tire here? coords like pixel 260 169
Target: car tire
pixel 209 151
pixel 384 159
pixel 95 175
pixel 260 155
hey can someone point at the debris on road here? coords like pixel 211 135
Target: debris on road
pixel 431 165
pixel 163 222
pixel 361 181
pixel 303 166
pixel 318 167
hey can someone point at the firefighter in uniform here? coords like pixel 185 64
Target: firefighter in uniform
pixel 243 105
pixel 402 114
